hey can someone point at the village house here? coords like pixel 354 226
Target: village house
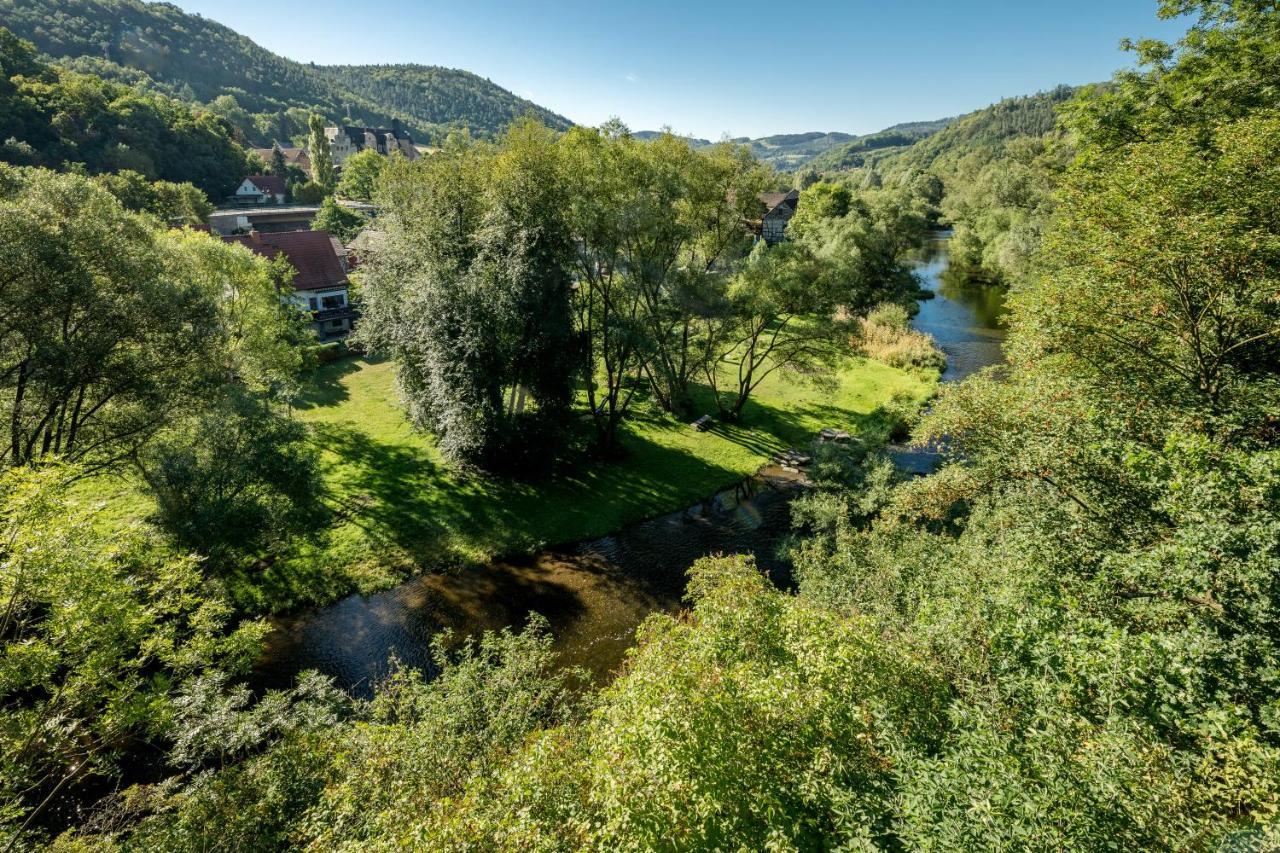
pixel 260 189
pixel 345 140
pixel 297 157
pixel 320 284
pixel 778 210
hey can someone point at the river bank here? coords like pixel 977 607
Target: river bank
pixel 596 591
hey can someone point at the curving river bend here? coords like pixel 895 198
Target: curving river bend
pixel 595 593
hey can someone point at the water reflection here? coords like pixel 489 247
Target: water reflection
pixel 593 593
pixel 965 317
pixel 966 320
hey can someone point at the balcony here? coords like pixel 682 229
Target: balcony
pixel 345 312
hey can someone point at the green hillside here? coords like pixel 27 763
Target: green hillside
pixel 936 144
pixel 991 127
pixel 790 151
pixel 159 46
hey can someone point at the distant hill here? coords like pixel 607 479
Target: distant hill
pixel 987 128
pixel 790 151
pixel 863 149
pixel 991 127
pixel 159 46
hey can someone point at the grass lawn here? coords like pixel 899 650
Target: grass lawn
pixel 398 508
pixel 394 508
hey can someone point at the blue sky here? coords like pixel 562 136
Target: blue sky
pixel 744 68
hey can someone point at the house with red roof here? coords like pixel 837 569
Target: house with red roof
pixel 261 189
pixel 320 285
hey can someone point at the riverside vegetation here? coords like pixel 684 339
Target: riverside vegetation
pixel 1065 638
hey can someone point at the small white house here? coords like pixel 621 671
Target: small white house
pixel 261 189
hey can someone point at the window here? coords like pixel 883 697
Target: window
pixel 314 304
pixel 333 300
pixel 337 324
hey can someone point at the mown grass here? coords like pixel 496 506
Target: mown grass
pixel 393 507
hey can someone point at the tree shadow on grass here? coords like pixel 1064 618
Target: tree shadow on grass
pixel 765 429
pixel 393 502
pixel 396 509
pixel 325 386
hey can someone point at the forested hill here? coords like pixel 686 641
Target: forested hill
pixel 1026 116
pixel 790 151
pixel 990 127
pixel 265 95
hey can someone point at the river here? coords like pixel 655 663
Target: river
pixel 595 593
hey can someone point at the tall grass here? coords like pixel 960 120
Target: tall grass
pixel 885 335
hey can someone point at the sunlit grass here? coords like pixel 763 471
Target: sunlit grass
pixel 394 507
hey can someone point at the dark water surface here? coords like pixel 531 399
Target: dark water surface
pixel 595 593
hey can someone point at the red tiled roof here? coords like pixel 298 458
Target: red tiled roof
pixel 273 184
pixel 310 253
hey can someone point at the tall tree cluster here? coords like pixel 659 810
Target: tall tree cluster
pixel 513 274
pixel 472 295
pixel 116 325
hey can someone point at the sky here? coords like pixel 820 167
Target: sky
pixel 711 69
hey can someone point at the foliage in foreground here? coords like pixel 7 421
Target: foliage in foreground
pixel 1066 638
pixel 100 629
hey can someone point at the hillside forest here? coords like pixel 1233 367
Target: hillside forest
pixel 1065 636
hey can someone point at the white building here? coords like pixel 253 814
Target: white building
pixel 261 189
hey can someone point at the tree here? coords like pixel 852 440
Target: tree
pixel 321 155
pixel 100 628
pixel 162 319
pixel 170 202
pixel 656 226
pixel 279 166
pixel 782 316
pixel 1224 68
pixel 308 192
pixel 99 387
pixel 360 174
pixel 470 294
pixel 237 466
pixel 607 302
pixel 716 191
pixel 819 201
pixel 1162 276
pixel 341 222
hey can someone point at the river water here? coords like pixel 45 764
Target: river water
pixel 595 593
pixel 964 317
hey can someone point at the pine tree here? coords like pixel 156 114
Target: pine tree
pixel 279 167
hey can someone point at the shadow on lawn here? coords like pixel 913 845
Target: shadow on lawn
pixel 325 386
pixel 403 499
pixel 766 429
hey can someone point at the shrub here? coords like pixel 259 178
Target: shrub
pixel 238 467
pixel 309 193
